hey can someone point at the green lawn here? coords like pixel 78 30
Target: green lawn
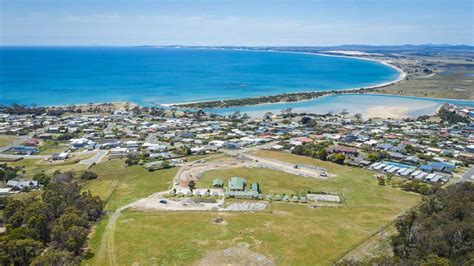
pixel 286 233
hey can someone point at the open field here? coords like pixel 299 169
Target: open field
pixel 378 245
pixel 282 234
pixel 33 166
pixel 454 81
pixel 120 185
pixel 7 140
pixel 50 147
pixel 270 181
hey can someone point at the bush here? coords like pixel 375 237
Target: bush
pixel 88 175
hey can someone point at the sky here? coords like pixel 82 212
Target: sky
pixel 231 22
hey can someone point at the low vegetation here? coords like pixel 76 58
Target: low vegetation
pixel 286 97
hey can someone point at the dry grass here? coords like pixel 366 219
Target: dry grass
pixel 285 233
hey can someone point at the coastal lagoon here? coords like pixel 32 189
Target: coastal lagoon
pixel 369 105
pixel 148 75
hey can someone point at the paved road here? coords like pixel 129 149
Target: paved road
pixel 17 156
pixel 96 159
pixel 469 175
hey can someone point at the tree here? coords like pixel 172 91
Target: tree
pixel 9 174
pixel 308 121
pixel 2 176
pixel 191 185
pixel 19 251
pixel 322 154
pixel 358 116
pixel 268 116
pixel 42 178
pixel 373 157
pixel 344 112
pixel 433 260
pixel 70 232
pixel 36 219
pixel 55 257
pixel 339 158
pixel 11 209
pixel 440 230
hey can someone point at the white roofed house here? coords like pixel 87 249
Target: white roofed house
pixel 155 147
pixel 132 145
pixel 118 153
pixel 216 143
pixel 21 184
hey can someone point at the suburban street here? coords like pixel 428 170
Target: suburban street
pixel 96 159
pixel 469 175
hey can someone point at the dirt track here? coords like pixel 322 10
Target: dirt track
pixel 193 170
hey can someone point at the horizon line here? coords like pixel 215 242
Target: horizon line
pixel 251 46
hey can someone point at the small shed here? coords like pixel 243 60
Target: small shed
pixel 303 199
pixel 217 183
pixel 255 187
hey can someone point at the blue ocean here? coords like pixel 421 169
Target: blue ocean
pixel 147 75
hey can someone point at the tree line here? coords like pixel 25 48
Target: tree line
pixel 51 229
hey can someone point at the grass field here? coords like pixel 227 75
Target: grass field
pixel 49 147
pixel 285 233
pixel 455 82
pixel 119 186
pixel 33 166
pixel 7 140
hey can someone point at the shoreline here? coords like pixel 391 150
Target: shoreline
pixel 293 96
pixel 401 76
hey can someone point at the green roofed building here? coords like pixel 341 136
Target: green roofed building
pixel 236 189
pixel 217 183
pixel 255 187
pixel 236 184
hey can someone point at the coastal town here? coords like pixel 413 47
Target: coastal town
pixel 228 164
pixel 256 133
pixel 432 149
